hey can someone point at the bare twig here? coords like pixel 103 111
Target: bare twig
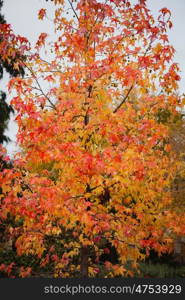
pixel 73 9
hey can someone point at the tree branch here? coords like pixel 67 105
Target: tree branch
pixel 39 87
pixel 124 99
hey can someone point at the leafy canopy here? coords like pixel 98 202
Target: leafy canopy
pixel 95 165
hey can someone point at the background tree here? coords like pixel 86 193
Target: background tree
pixel 8 64
pixel 178 185
pixel 94 154
pixel 11 54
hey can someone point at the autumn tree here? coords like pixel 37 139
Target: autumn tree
pixel 95 159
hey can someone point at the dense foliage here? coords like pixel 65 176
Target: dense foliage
pixel 90 188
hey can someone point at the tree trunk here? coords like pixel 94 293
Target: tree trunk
pixel 84 261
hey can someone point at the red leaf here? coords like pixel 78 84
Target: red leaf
pixel 41 13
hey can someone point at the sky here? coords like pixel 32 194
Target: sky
pixel 22 15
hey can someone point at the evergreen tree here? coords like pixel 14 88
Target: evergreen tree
pixel 8 66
